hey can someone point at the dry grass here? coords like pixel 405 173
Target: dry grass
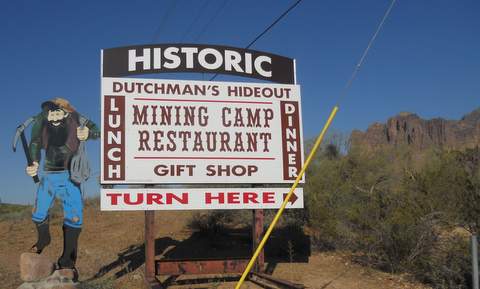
pixel 111 253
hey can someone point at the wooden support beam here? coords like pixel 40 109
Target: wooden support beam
pixel 274 282
pixel 185 267
pixel 153 284
pixel 257 233
pixel 150 246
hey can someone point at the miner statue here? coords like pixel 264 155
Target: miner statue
pixel 61 132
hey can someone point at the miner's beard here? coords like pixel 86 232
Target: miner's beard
pixel 56 125
pixel 57 134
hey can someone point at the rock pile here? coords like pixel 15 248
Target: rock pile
pixel 37 272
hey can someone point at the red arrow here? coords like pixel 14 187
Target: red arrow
pixel 293 198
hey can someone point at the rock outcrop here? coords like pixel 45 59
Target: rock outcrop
pixel 411 130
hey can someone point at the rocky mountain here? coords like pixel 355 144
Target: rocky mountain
pixel 409 129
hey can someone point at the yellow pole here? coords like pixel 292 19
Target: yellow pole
pixel 284 204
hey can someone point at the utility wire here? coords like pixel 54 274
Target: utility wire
pixel 268 28
pixel 273 24
pixel 364 55
pixel 195 20
pixel 212 19
pixel 164 19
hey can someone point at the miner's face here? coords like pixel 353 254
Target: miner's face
pixel 56 117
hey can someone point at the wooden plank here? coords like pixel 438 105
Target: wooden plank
pixel 185 267
pixel 280 283
pixel 257 234
pixel 150 245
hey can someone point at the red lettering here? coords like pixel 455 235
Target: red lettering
pixel 128 200
pixel 114 198
pixel 220 198
pixel 154 198
pixel 182 200
pixel 250 197
pixel 268 197
pixel 233 197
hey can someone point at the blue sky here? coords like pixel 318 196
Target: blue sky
pixel 426 59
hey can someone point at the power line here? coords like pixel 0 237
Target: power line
pixel 273 24
pixel 365 52
pixel 268 28
pixel 164 19
pixel 195 20
pixel 212 19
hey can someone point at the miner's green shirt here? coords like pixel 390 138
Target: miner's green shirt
pixel 57 158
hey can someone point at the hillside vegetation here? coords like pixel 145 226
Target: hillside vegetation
pixel 397 209
pixel 11 211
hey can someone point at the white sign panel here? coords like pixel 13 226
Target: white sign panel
pixel 171 131
pixel 198 199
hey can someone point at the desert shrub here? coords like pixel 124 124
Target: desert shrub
pixel 294 218
pixel 289 242
pixel 216 222
pixel 453 181
pixel 210 223
pixel 448 265
pixel 393 213
pixel 14 212
pixel 322 186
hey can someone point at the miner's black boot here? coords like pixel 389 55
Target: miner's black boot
pixel 70 243
pixel 43 236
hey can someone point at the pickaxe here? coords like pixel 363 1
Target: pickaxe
pixel 20 133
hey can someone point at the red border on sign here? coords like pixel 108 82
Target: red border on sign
pixel 114 138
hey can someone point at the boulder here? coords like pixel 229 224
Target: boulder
pixel 64 275
pixel 38 273
pixel 62 286
pixel 34 267
pixel 48 285
pixel 60 279
pixel 27 285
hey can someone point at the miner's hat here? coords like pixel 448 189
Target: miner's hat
pixel 57 103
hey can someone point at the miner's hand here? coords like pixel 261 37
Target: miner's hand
pixel 82 133
pixel 32 170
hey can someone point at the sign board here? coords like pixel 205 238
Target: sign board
pixel 198 199
pixel 157 131
pixel 164 131
pixel 160 58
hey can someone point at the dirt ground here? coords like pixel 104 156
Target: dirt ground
pixel 111 254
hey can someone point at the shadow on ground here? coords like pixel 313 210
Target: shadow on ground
pixel 286 245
